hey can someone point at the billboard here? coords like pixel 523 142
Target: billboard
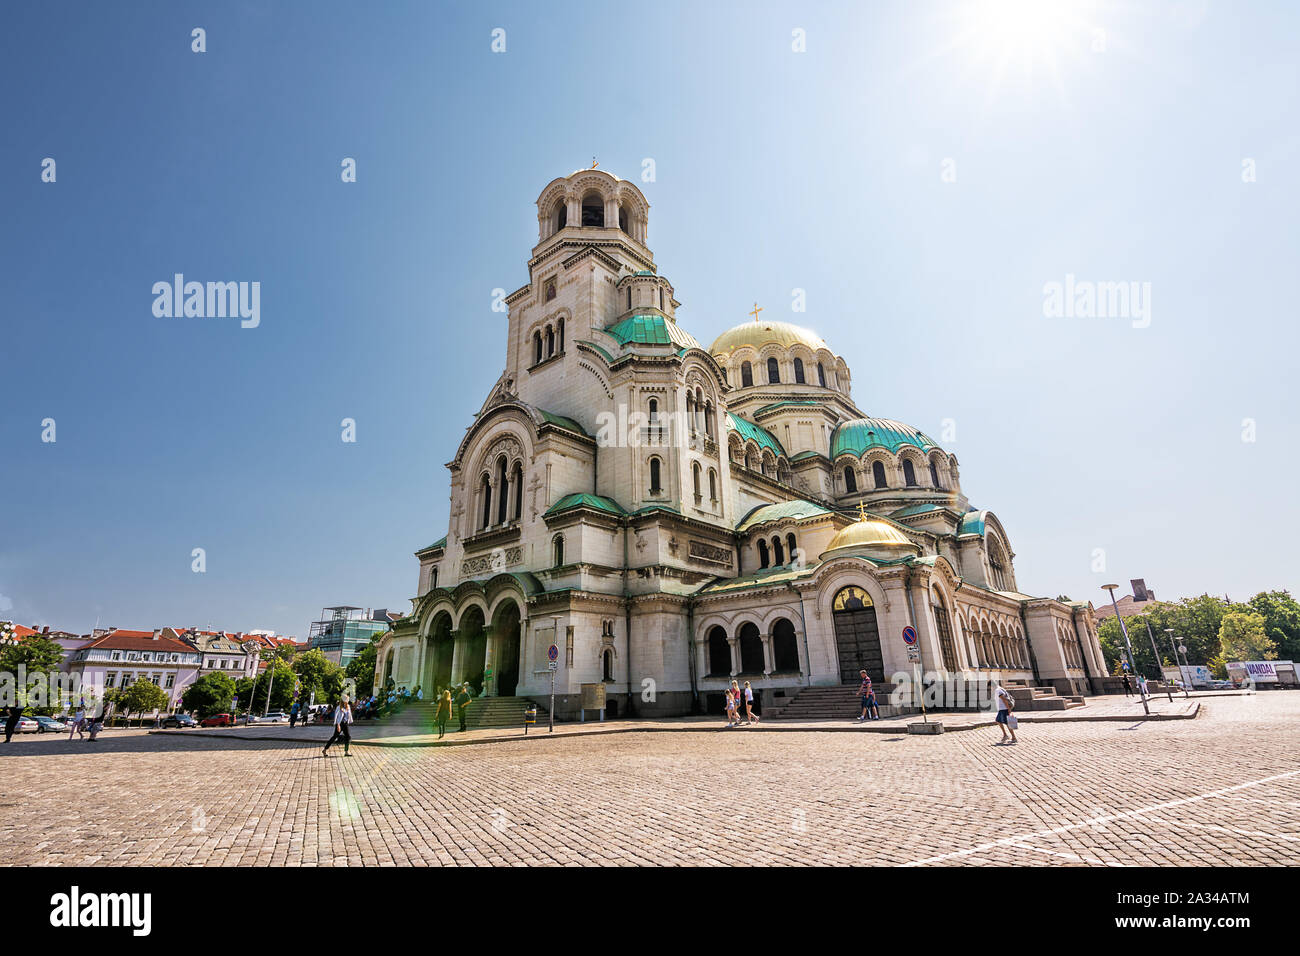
pixel 1262 672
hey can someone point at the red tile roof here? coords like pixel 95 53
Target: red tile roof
pixel 138 641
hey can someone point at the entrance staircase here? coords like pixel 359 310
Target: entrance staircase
pixel 417 717
pixel 1029 697
pixel 828 703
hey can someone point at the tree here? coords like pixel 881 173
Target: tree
pixel 1242 638
pixel 281 688
pixel 37 658
pixel 142 697
pixel 210 694
pixel 361 669
pixel 244 692
pixel 1281 614
pixel 318 675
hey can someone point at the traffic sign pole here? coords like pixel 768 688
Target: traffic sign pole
pixel 553 661
pixel 914 657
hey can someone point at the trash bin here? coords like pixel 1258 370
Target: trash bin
pixel 530 717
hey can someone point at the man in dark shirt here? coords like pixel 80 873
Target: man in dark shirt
pixel 462 701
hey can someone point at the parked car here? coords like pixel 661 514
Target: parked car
pixel 274 717
pixel 216 720
pixel 49 724
pixel 1222 685
pixel 26 725
pixel 179 720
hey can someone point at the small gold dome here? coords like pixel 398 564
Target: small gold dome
pixel 758 334
pixel 875 535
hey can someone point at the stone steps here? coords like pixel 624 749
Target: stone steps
pixel 417 717
pixel 828 703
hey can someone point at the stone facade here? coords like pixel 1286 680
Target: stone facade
pixel 673 516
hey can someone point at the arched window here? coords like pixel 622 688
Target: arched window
pixel 785 652
pixel 622 218
pixel 690 410
pixel 550 341
pixel 518 480
pixel 909 473
pixel 655 486
pixel 878 474
pixel 661 298
pixel 485 492
pixel 762 553
pixel 708 419
pixel 557 547
pixel 696 422
pixel 778 550
pixel 746 374
pixel 695 480
pixel 821 375
pixel 607 665
pixel 934 474
pixel 537 347
pixel 751 649
pixel 593 210
pixel 561 215
pixel 719 653
pixel 850 479
pixel 794 552
pixel 798 371
pixel 713 485
pixel 561 335
pixel 503 490
pixel 773 372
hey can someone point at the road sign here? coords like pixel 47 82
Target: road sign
pixel 552 665
pixel 553 653
pixel 913 654
pixel 909 635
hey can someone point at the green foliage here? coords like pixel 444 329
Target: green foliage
pixel 142 697
pixel 281 688
pixel 1281 614
pixel 361 668
pixel 243 693
pixel 40 658
pixel 1242 638
pixel 210 694
pixel 318 675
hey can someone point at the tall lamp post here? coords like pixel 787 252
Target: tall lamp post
pixel 1185 668
pixel 1132 665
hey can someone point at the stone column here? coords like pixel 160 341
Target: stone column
pixel 734 644
pixel 489 661
pixel 457 663
pixel 769 656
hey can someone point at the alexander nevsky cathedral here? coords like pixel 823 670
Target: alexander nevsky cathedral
pixel 672 516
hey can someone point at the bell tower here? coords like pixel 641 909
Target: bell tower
pixel 591 238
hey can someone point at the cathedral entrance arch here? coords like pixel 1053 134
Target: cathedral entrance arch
pixel 505 644
pixel 473 641
pixel 443 647
pixel 857 635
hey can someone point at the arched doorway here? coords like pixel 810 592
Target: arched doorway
pixel 857 635
pixel 443 646
pixel 473 648
pixel 719 653
pixel 505 632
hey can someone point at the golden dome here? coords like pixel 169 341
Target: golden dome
pixel 874 535
pixel 758 334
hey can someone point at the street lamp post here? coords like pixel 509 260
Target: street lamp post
pixel 1177 662
pixel 1156 652
pixel 1132 664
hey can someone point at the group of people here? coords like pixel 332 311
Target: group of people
pixel 738 697
pixel 80 723
pixel 445 704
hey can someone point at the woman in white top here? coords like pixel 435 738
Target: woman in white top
pixel 342 718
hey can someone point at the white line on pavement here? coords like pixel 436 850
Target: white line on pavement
pixel 1107 818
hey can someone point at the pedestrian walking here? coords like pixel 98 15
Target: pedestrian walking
pixel 462 702
pixel 1006 720
pixel 1128 686
pixel 96 725
pixel 293 716
pixel 749 704
pixel 735 702
pixel 443 713
pixel 342 721
pixel 78 722
pixel 867 697
pixel 11 722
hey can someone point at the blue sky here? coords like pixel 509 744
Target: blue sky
pixel 775 170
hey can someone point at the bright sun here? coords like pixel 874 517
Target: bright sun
pixel 1030 36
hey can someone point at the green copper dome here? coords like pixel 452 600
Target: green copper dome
pixel 859 435
pixel 651 329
